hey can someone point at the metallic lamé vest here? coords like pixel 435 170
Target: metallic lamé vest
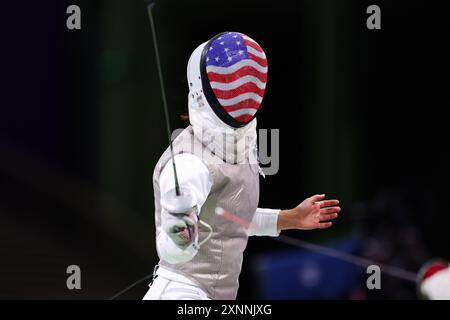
pixel 217 265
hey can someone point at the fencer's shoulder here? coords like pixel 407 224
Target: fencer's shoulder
pixel 181 145
pixel 192 155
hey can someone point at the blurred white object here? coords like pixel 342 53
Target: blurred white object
pixel 434 281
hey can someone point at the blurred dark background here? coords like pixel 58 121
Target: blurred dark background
pixel 361 113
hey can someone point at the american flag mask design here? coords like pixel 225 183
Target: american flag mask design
pixel 234 77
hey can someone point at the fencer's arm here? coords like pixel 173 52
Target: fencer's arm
pixel 193 176
pixel 313 213
pixel 264 223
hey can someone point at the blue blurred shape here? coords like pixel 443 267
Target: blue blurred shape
pixel 300 274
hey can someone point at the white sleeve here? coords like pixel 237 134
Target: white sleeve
pixel 193 175
pixel 264 223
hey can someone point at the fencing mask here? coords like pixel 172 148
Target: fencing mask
pixel 227 79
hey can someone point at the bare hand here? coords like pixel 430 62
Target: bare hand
pixel 313 213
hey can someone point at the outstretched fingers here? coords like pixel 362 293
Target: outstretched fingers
pixel 325 225
pixel 325 217
pixel 328 203
pixel 329 210
pixel 316 198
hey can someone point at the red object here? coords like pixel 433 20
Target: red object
pixel 432 269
